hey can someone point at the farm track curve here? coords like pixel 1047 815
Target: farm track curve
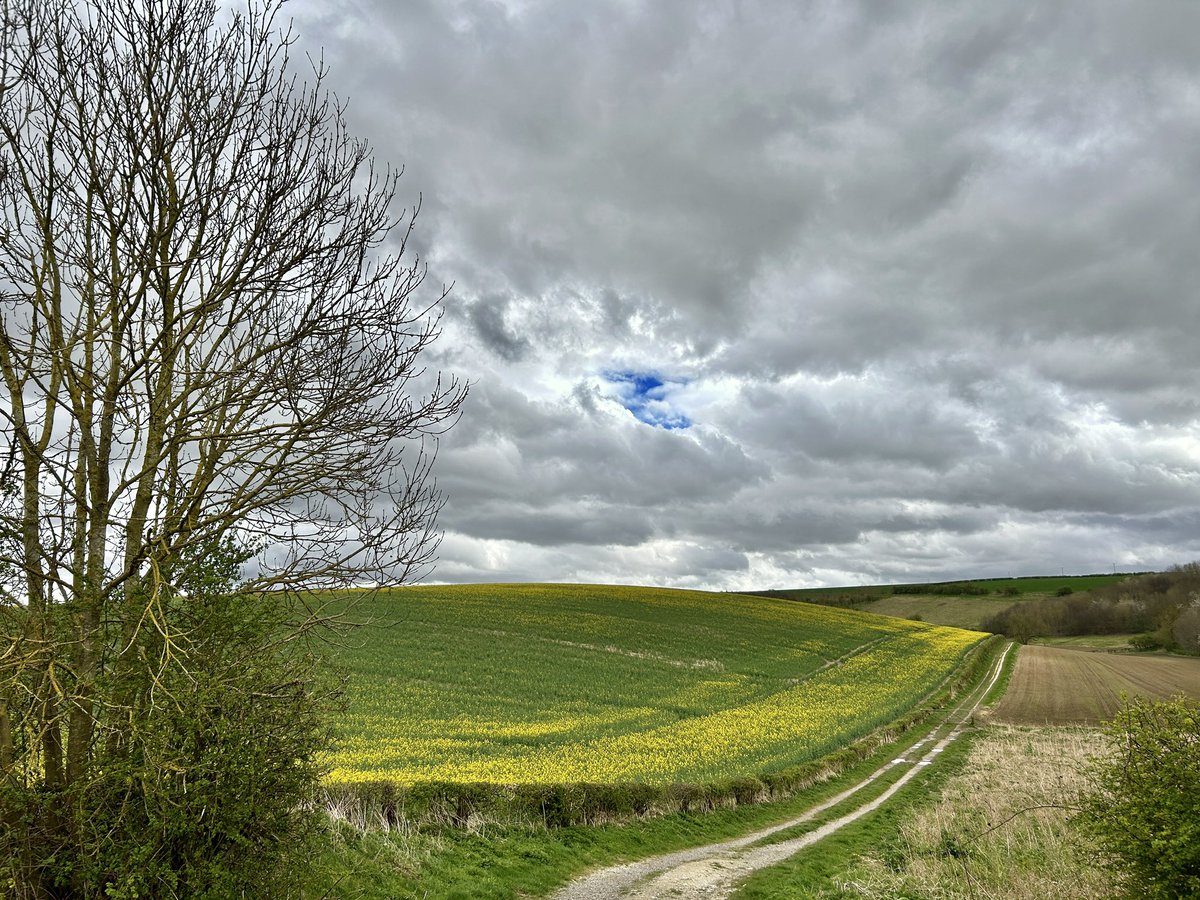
pixel 713 870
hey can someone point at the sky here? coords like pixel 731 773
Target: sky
pixel 787 294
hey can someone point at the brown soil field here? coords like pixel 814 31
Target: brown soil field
pixel 1057 686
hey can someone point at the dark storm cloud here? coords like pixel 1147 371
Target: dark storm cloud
pixel 487 317
pixel 923 277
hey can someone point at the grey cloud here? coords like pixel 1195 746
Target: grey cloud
pixel 872 424
pixel 929 270
pixel 555 527
pixel 487 317
pixel 556 472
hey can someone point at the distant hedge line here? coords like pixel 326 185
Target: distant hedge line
pixel 953 589
pixel 386 804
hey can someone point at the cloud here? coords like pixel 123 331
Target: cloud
pixel 759 291
pixel 487 317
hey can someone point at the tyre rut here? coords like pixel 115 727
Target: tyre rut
pixel 713 870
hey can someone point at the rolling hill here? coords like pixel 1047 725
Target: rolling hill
pixel 521 684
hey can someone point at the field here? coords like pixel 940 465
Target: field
pixel 956 612
pixel 520 684
pixel 1105 642
pixel 941 604
pixel 1054 685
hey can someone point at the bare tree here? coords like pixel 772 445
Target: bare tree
pixel 210 335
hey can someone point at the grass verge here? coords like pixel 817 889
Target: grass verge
pixel 990 820
pixel 997 690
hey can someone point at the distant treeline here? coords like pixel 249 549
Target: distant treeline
pixel 855 597
pixel 1163 609
pixel 844 600
pixel 950 589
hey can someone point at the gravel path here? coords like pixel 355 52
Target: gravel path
pixel 713 870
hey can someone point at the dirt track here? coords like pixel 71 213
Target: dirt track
pixel 713 871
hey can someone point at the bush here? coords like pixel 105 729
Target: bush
pixel 1144 809
pixel 207 792
pixel 1186 630
pixel 1145 642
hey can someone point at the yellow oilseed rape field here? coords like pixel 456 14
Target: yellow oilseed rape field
pixel 520 684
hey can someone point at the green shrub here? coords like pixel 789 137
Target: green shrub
pixel 205 792
pixel 1145 642
pixel 1144 809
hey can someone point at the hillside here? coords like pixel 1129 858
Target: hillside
pixel 958 604
pixel 558 683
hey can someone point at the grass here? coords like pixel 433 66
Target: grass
pixel 521 684
pixel 512 861
pixel 1051 584
pixel 939 603
pixel 999 828
pixel 817 870
pixel 1000 688
pixel 955 612
pixel 1106 642
pixel 1039 585
pixel 990 820
pixel 1052 685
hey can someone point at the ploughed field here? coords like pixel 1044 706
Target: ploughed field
pixel 524 684
pixel 1059 686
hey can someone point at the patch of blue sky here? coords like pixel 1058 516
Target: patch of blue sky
pixel 647 396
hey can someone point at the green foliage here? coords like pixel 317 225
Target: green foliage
pixel 1161 604
pixel 204 771
pixel 1145 642
pixel 1185 630
pixel 1144 809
